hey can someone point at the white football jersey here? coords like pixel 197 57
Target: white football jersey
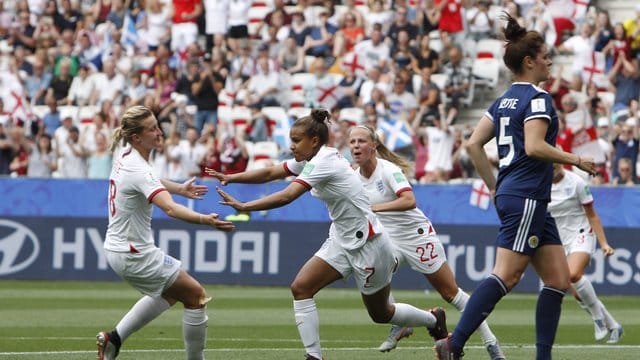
pixel 567 198
pixel 385 184
pixel 332 180
pixel 132 186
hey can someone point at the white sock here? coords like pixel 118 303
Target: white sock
pixel 194 332
pixel 407 315
pixel 308 324
pixel 142 312
pixel 608 319
pixel 460 302
pixel 589 298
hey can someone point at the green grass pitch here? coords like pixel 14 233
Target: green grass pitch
pixel 58 320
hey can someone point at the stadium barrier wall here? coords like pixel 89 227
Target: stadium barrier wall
pixel 54 229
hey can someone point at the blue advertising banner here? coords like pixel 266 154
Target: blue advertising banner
pixel 266 253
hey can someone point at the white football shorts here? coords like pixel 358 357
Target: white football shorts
pixel 372 265
pixel 583 242
pixel 151 272
pixel 424 253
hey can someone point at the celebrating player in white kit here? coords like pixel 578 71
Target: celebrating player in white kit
pixel 129 246
pixel 356 245
pixel 579 227
pixel 382 173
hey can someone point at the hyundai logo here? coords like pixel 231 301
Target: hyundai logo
pixel 16 238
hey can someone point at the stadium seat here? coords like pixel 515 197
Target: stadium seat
pixel 298 112
pixel 274 115
pixel 296 99
pixel 489 48
pixel 240 119
pixel 354 115
pixel 298 80
pixel 486 71
pixel 261 154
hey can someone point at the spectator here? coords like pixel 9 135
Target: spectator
pixel 451 23
pixel 205 88
pixel 402 104
pixel 158 160
pixel 319 40
pixel 20 161
pixel 539 18
pixel 632 27
pixel 480 20
pixel 291 57
pixel 264 85
pixel 618 45
pixel 378 15
pixel 428 100
pixel 60 84
pixel 21 35
pixel 216 15
pixel 109 85
pixel 87 51
pixel 24 67
pixel 117 13
pixel 157 29
pixel 428 18
pixel 184 29
pixel 136 89
pixel 375 79
pixel 350 85
pixel 100 10
pixel 311 88
pixel 276 33
pixel 258 127
pixel 440 141
pixel 401 23
pixel 6 151
pixel 51 119
pixel 581 46
pixel 625 80
pixel 73 155
pixel 458 82
pixel 350 33
pixel 99 162
pixel 603 30
pixel 403 54
pixel 66 53
pixel 36 85
pixel 99 127
pixel 626 144
pixel 68 17
pixel 82 86
pixel 625 175
pixel 238 31
pixel 42 158
pixel 233 155
pixel 298 29
pixel 187 154
pixel 373 51
pixel 426 56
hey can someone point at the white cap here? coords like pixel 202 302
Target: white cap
pixel 603 121
pixel 630 122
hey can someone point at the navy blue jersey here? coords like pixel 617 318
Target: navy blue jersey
pixel 519 174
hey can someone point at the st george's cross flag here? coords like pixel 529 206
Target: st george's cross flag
pixel 480 195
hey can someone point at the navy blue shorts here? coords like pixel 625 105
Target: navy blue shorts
pixel 525 224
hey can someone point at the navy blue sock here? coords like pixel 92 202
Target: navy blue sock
pixel 547 318
pixel 481 303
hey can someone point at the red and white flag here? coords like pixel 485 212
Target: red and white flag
pixel 480 195
pixel 328 95
pixel 594 69
pixel 353 63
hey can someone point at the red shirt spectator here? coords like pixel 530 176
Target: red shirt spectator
pixel 184 11
pixel 451 15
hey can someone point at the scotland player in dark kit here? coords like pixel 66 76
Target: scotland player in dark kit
pixel 525 125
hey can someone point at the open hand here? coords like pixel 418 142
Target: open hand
pixel 193 191
pixel 215 221
pixel 229 200
pixel 587 164
pixel 224 179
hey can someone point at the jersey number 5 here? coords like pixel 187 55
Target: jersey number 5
pixel 506 140
pixel 112 197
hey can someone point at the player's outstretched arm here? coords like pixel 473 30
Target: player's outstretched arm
pixel 188 189
pixel 164 201
pixel 271 201
pixel 257 176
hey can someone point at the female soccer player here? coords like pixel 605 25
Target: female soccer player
pixel 525 125
pixel 412 234
pixel 579 227
pixel 129 246
pixel 356 245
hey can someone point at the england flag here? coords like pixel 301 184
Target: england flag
pixel 396 133
pixel 480 195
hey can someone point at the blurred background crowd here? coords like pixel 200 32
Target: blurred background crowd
pixel 226 79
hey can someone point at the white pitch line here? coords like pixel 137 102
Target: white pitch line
pixel 78 352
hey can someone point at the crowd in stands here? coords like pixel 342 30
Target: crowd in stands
pixel 226 78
